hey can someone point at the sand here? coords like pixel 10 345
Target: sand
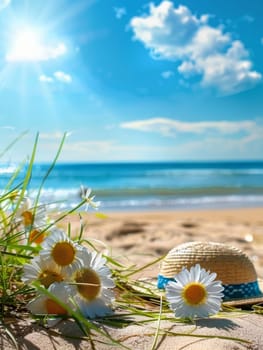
pixel 142 237
pixel 139 238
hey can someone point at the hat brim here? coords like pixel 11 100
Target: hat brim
pixel 246 302
pixel 146 283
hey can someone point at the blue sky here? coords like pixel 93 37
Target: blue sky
pixel 132 80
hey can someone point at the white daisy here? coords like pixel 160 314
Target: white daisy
pixel 45 272
pixel 85 194
pixel 30 216
pixel 43 304
pixel 36 235
pixel 63 251
pixel 93 284
pixel 194 293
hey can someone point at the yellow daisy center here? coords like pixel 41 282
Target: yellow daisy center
pixel 35 236
pixel 88 283
pixel 194 294
pixel 63 253
pixel 54 308
pixel 28 218
pixel 46 278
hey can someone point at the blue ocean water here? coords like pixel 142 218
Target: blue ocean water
pixel 147 186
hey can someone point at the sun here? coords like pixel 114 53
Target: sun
pixel 29 44
pixel 26 45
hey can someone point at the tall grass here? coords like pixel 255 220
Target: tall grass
pixel 137 302
pixel 17 248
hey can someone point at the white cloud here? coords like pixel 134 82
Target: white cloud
pixel 167 74
pixel 220 148
pixel 76 148
pixel 57 76
pixel 109 150
pixel 206 147
pixel 46 79
pixel 213 139
pixel 40 53
pixel 4 4
pixel 63 77
pixel 201 50
pixel 170 127
pixel 120 12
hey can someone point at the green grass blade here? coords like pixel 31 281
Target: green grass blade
pixel 50 168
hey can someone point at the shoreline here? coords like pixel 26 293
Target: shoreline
pixel 181 204
pixel 253 212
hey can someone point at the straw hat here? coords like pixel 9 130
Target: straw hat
pixel 232 266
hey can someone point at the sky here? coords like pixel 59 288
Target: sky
pixel 131 80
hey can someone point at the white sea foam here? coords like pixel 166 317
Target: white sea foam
pixel 9 169
pixel 64 199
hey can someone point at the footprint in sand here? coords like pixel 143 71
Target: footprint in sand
pixel 127 228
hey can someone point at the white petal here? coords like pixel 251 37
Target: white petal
pixel 173 286
pixel 37 306
pixel 108 282
pixel 184 311
pixel 209 278
pixel 216 288
pixel 195 272
pixel 96 308
pixel 182 277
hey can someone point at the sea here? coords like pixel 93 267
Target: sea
pixel 145 186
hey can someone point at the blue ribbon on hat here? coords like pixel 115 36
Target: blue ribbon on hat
pixel 231 291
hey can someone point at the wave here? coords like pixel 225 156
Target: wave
pixel 64 199
pixel 145 185
pixel 73 192
pixel 8 169
pixel 207 202
pixel 206 172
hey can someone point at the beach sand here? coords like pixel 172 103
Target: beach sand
pixel 136 239
pixel 140 237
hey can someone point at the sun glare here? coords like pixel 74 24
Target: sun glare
pixel 26 46
pixel 26 40
pixel 29 44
